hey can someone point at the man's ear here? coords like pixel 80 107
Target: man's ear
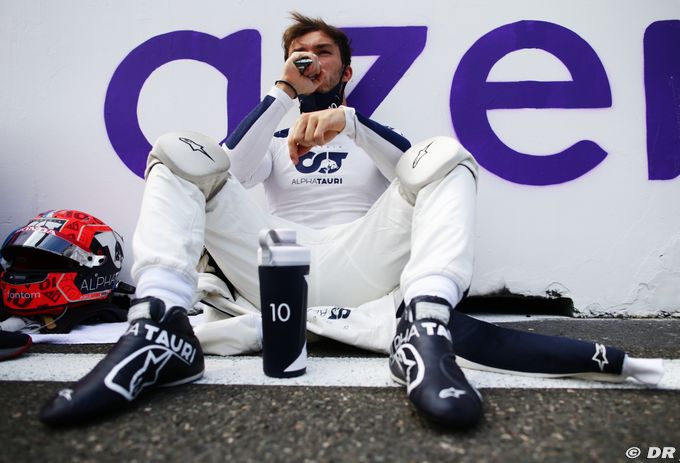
pixel 347 74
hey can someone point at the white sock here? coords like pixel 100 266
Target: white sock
pixel 647 371
pixel 172 287
pixel 434 285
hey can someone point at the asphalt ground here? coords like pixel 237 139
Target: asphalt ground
pixel 215 423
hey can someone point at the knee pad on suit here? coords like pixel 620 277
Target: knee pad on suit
pixel 193 157
pixel 429 161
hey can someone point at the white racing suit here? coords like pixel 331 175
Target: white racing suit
pixel 375 219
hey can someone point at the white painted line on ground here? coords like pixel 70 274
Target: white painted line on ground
pixel 512 318
pixel 108 333
pixel 321 371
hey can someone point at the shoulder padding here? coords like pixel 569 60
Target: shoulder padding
pixel 190 155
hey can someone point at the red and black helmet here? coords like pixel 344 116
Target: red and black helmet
pixel 60 259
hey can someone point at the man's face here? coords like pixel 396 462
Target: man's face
pixel 328 52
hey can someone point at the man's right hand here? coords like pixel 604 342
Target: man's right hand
pixel 304 83
pixel 314 129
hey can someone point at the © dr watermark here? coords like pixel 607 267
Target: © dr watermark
pixel 651 452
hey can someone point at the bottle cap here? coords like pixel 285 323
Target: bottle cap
pixel 278 248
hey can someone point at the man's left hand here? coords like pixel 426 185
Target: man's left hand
pixel 314 129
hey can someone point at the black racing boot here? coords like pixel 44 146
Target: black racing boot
pixel 158 349
pixel 422 358
pixel 13 344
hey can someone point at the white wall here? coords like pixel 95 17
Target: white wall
pixel 609 239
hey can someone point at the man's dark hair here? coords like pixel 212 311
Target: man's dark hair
pixel 304 25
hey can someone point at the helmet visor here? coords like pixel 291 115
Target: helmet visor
pixel 23 240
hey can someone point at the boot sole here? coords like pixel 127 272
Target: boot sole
pixel 604 377
pixel 13 352
pixel 189 379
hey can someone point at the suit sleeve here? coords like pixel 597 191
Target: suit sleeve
pixel 249 145
pixel 381 143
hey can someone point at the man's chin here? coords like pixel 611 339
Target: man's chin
pixel 325 88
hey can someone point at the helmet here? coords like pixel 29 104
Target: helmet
pixel 60 259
